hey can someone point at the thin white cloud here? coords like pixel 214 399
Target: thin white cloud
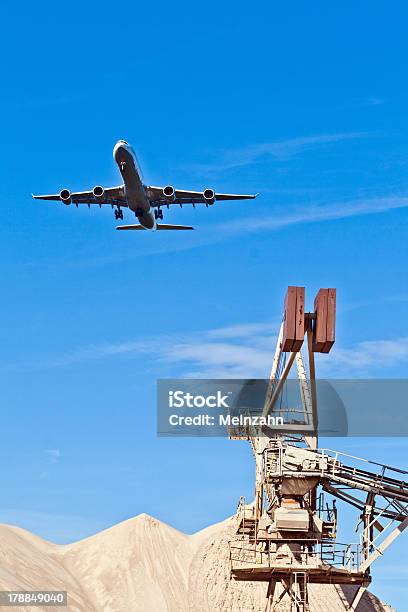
pixel 241 331
pixel 92 352
pixel 358 103
pixel 53 454
pixel 221 360
pixel 231 349
pixel 312 214
pixel 371 355
pixel 238 351
pixel 280 150
pixel 97 351
pixel 252 358
pixel 372 102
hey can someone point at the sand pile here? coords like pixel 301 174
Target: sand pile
pixel 143 565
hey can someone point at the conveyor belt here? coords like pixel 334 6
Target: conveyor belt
pixel 331 473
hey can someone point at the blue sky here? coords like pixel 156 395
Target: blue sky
pixel 305 104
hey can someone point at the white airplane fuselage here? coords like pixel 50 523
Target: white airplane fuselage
pixel 135 192
pixel 145 201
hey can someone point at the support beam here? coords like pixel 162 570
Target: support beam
pixel 286 589
pixel 384 545
pixel 270 402
pixel 368 527
pixel 312 440
pixel 357 598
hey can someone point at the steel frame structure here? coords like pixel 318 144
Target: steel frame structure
pixel 292 462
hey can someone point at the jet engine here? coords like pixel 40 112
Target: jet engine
pixel 98 192
pixel 65 196
pixel 209 196
pixel 169 193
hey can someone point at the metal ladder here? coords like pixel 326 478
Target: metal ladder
pixel 300 599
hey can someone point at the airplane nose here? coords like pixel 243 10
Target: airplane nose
pixel 117 148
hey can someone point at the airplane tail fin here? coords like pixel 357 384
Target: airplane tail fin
pixel 160 226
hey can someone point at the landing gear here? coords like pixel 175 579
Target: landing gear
pixel 158 214
pixel 118 214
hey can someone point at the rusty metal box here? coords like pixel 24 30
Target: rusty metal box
pixel 325 323
pixel 294 319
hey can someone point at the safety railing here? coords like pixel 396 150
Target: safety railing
pixel 342 556
pixel 246 554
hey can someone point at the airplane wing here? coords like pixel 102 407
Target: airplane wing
pixel 114 196
pixel 157 196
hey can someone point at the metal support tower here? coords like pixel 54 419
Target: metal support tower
pixel 287 536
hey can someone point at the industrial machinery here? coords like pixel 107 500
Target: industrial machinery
pixel 288 535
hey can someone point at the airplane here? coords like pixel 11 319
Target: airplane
pixel 145 201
